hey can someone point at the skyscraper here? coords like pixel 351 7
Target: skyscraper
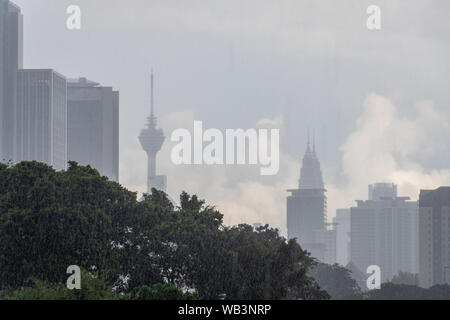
pixel 327 239
pixel 41 117
pixel 434 235
pixel 342 222
pixel 384 232
pixel 152 139
pixel 10 61
pixel 307 206
pixel 93 126
pixel 381 190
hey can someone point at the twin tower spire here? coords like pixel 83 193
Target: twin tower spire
pixel 311 173
pixel 308 149
pixel 152 139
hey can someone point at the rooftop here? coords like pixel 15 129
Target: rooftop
pixel 82 82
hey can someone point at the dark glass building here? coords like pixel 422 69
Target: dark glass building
pixel 93 126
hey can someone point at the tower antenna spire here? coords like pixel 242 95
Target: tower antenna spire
pixel 309 140
pixel 152 139
pixel 152 101
pixel 314 140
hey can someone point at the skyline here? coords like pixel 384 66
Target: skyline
pixel 366 206
pixel 406 162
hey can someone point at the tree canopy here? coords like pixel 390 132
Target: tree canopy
pixel 336 280
pixel 143 248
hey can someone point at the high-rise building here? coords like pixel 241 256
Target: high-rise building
pixel 152 139
pixel 384 232
pixel 434 237
pixel 307 207
pixel 327 238
pixel 10 61
pixel 342 223
pixel 93 126
pixel 381 190
pixel 41 117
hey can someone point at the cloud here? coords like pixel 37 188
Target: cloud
pixel 235 57
pixel 389 146
pixel 239 192
pixel 386 146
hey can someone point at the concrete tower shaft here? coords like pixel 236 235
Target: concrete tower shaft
pixel 152 139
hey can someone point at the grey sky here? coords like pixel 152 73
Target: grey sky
pixel 234 63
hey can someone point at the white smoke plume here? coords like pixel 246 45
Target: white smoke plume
pixel 388 146
pixel 239 192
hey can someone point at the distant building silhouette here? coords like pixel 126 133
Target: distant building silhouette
pixel 327 238
pixel 34 118
pixel 152 139
pixel 307 208
pixel 342 222
pixel 41 117
pixel 93 126
pixel 11 56
pixel 434 231
pixel 378 191
pixel 384 232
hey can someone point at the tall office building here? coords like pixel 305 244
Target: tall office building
pixel 434 235
pixel 384 232
pixel 327 239
pixel 93 126
pixel 41 117
pixel 152 139
pixel 342 225
pixel 10 61
pixel 307 206
pixel 381 190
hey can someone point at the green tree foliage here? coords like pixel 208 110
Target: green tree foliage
pixel 50 220
pixel 336 280
pixel 93 288
pixel 265 266
pixel 159 291
pixel 390 291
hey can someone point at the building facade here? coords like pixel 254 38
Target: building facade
pixel 434 233
pixel 93 126
pixel 327 238
pixel 382 190
pixel 307 207
pixel 41 118
pixel 384 232
pixel 342 225
pixel 11 34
